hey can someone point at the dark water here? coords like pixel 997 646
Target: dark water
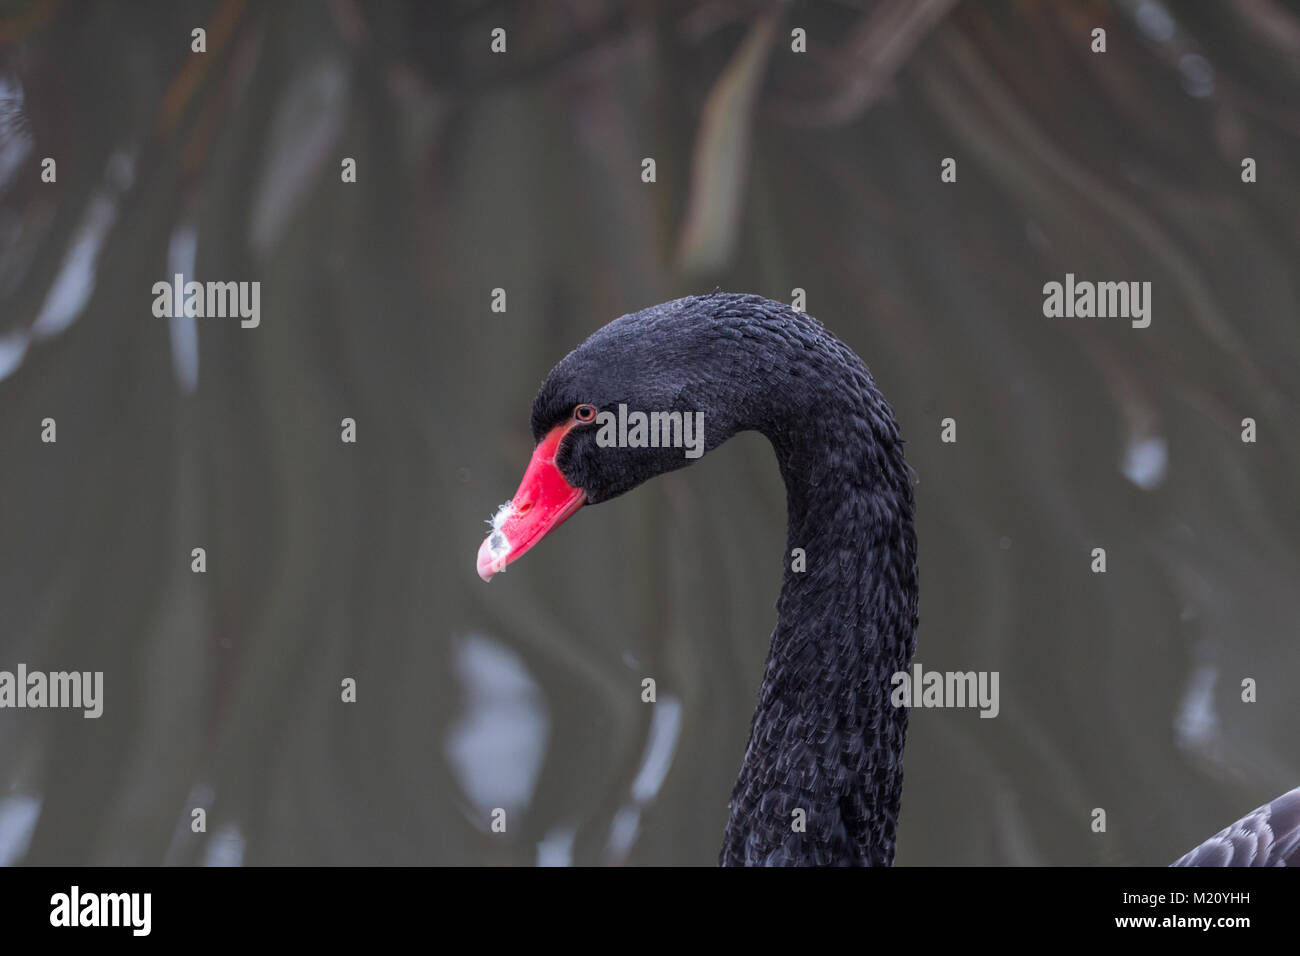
pixel 775 171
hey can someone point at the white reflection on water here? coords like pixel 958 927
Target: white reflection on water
pixel 13 346
pixel 1197 723
pixel 1197 75
pixel 226 848
pixel 18 816
pixel 75 281
pixel 184 328
pixel 1155 20
pixel 661 745
pixel 556 848
pixel 1145 462
pixel 308 122
pixel 72 287
pixel 495 748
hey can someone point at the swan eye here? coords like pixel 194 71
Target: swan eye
pixel 584 414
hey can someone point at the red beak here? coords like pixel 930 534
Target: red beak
pixel 542 503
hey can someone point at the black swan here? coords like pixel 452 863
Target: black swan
pixel 825 738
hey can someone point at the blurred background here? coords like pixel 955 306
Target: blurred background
pixel 522 170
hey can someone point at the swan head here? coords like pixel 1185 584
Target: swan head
pixel 648 393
